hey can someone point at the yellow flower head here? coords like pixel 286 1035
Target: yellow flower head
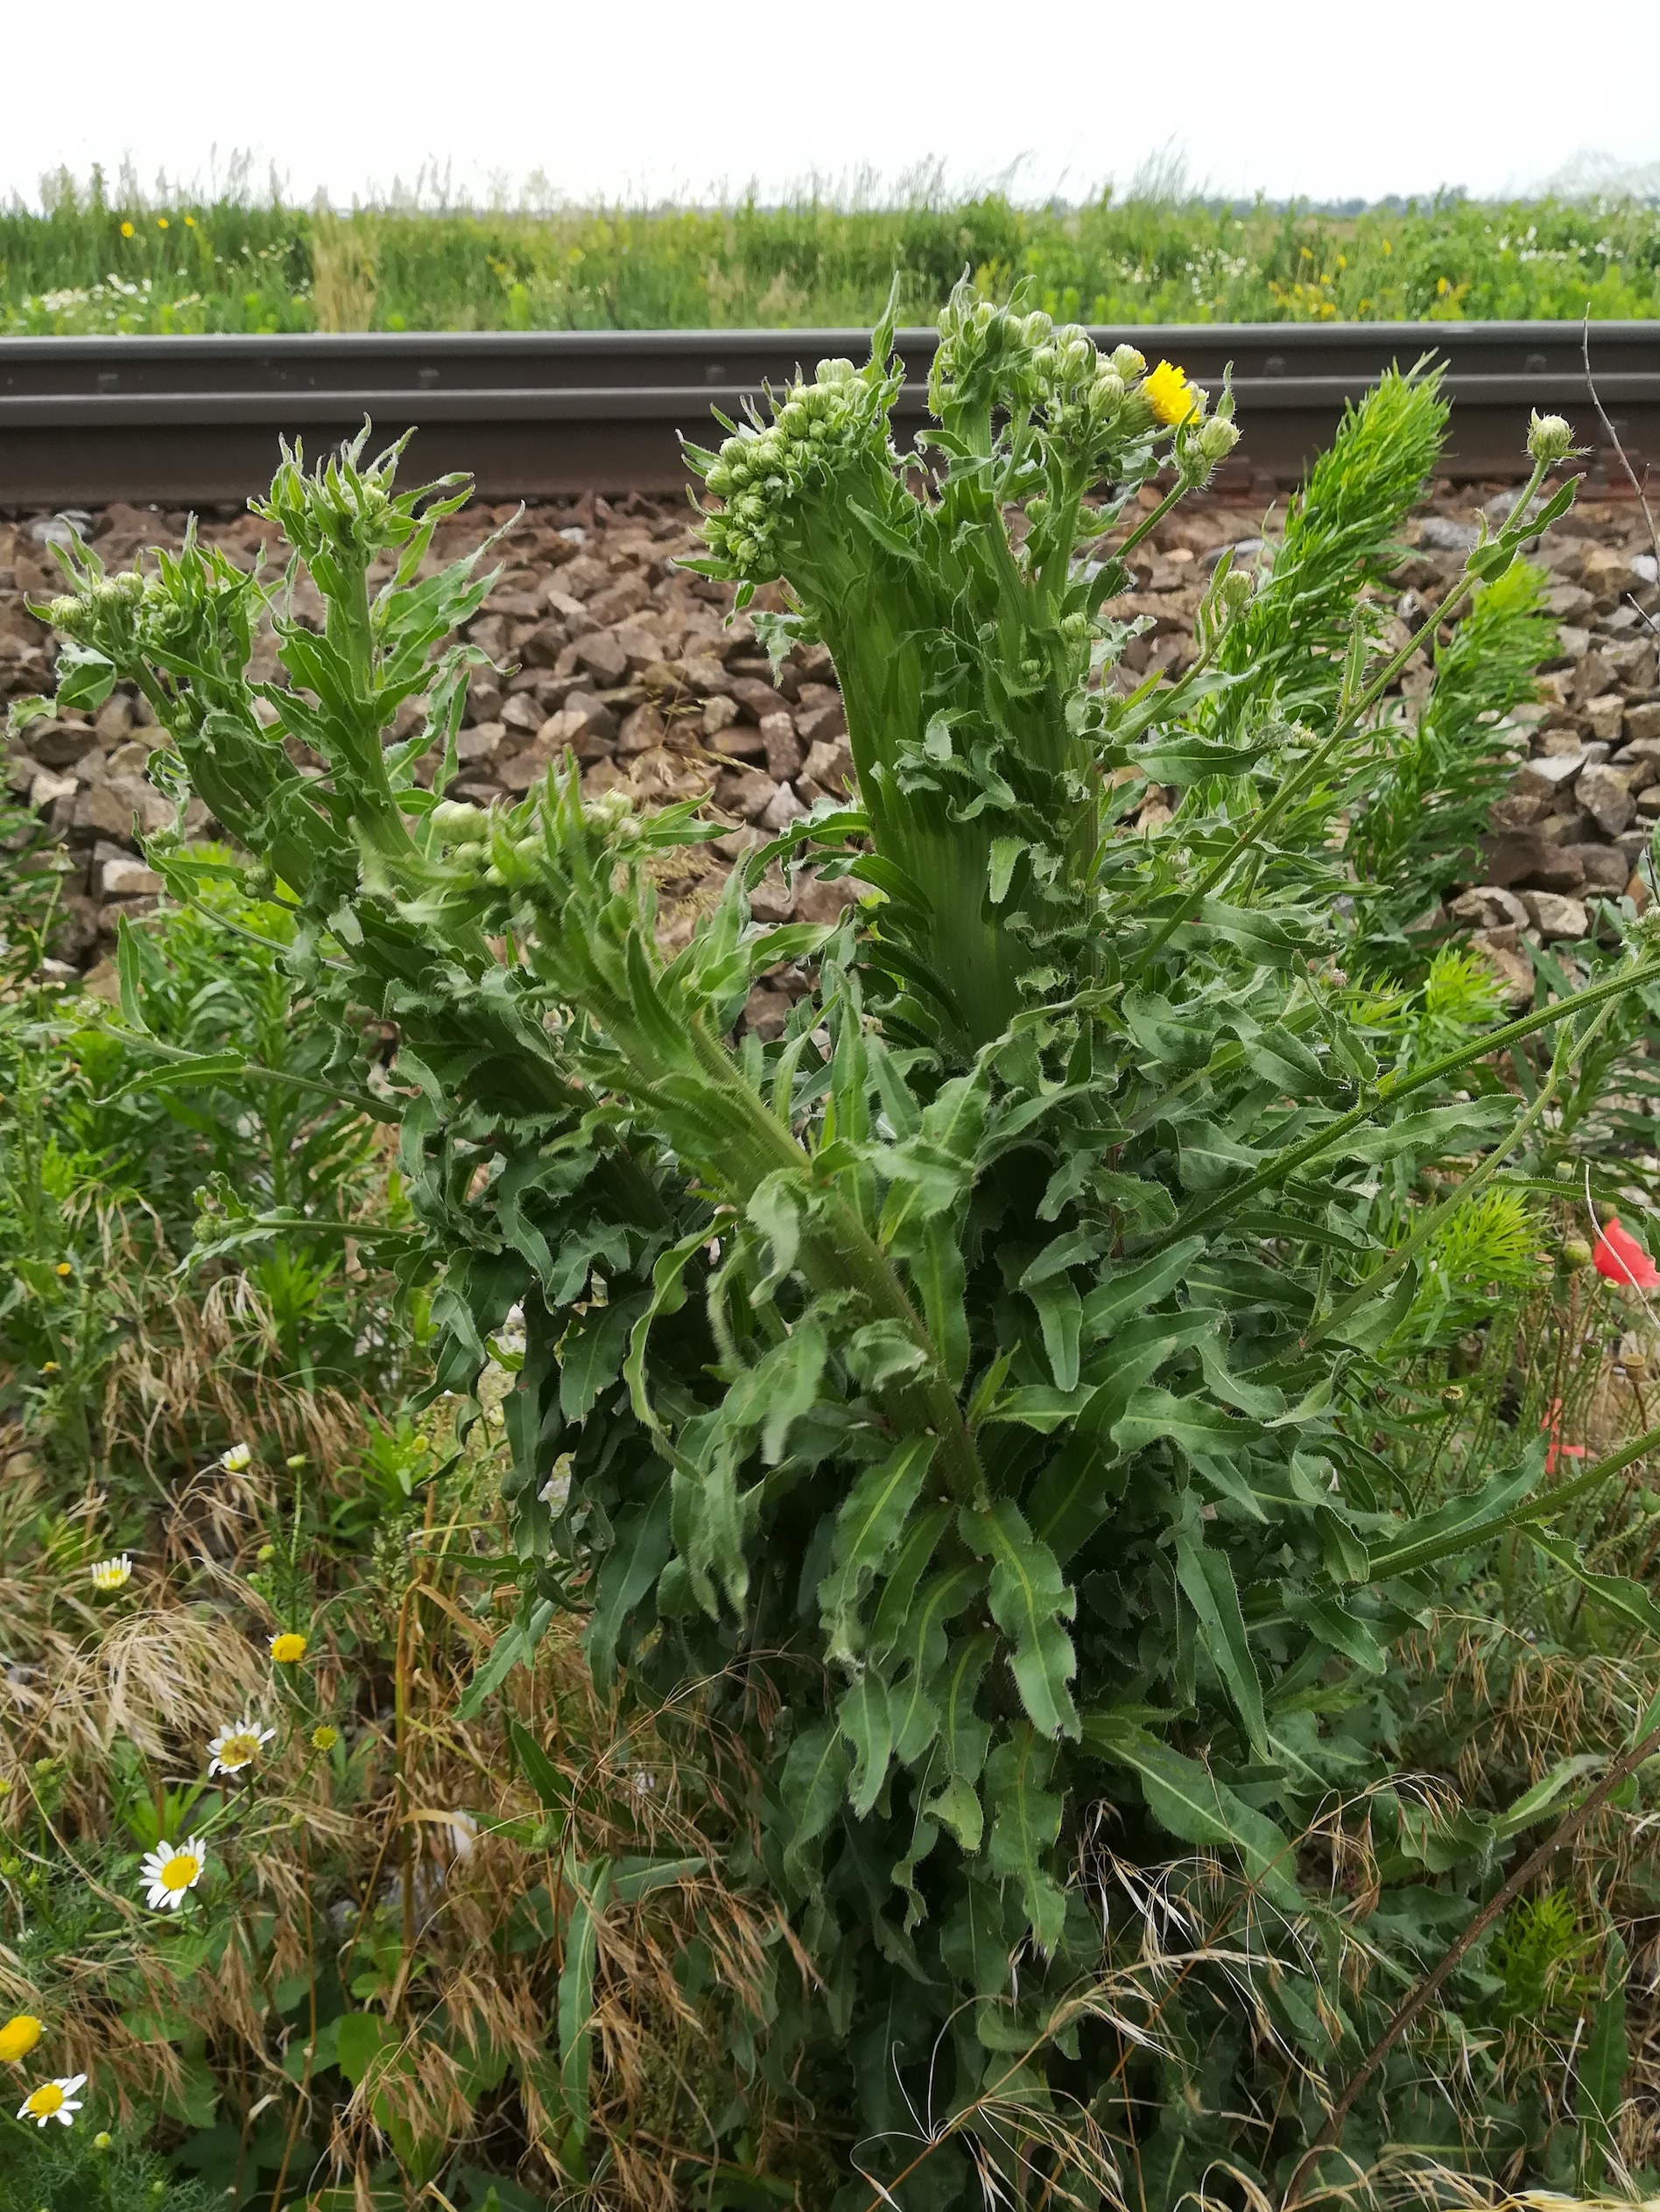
pixel 64 1268
pixel 288 1647
pixel 18 2037
pixel 126 230
pixel 325 1739
pixel 189 223
pixel 161 222
pixel 1170 397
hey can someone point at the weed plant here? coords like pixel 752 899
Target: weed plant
pixel 952 1608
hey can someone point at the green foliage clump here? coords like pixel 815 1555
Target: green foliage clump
pixel 969 1397
pixel 114 258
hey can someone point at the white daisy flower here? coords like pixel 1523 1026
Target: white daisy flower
pixel 237 1746
pixel 53 2101
pixel 171 1869
pixel 112 1574
pixel 237 1458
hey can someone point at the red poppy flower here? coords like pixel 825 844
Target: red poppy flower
pixel 1619 1256
pixel 1556 1449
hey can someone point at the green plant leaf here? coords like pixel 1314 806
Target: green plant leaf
pixel 1030 1598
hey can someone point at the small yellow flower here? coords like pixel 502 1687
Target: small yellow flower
pixel 103 2141
pixel 189 223
pixel 1170 397
pixel 171 1874
pixel 53 2101
pixel 18 2037
pixel 49 1367
pixel 126 230
pixel 237 1458
pixel 161 222
pixel 64 1268
pixel 112 1574
pixel 325 1739
pixel 288 1648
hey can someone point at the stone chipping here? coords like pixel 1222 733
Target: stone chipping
pixel 610 651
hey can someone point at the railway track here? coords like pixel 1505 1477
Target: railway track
pixel 196 420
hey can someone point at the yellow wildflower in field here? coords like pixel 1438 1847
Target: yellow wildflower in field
pixel 53 2101
pixel 171 1874
pixel 111 1574
pixel 237 1746
pixel 18 2037
pixel 288 1648
pixel 325 1739
pixel 126 230
pixel 1169 395
pixel 63 1268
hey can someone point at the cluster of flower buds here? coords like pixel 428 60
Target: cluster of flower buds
pixel 818 429
pixel 990 356
pixel 103 613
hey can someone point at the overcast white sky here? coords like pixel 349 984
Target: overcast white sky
pixel 646 99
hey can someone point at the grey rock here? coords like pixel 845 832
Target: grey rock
pixel 1567 601
pixel 1557 917
pixel 60 744
pixel 829 763
pixel 782 746
pixel 785 808
pixel 480 742
pixel 815 725
pixel 1528 856
pixel 1549 774
pixel 127 878
pixel 603 654
pixel 1489 906
pixel 1440 534
pixel 1605 866
pixel 1605 797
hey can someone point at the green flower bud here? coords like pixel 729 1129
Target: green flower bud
pixel 459 824
pixel 1236 590
pixel 1216 438
pixel 1576 1254
pixel 1550 438
pixel 1127 362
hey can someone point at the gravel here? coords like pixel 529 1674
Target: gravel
pixel 617 654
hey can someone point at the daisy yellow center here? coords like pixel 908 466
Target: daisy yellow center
pixel 181 1871
pixel 46 2100
pixel 237 1751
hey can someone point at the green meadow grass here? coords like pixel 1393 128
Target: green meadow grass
pixel 91 263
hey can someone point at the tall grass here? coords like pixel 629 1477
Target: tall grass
pixel 112 257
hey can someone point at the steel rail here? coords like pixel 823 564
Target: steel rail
pixel 178 420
